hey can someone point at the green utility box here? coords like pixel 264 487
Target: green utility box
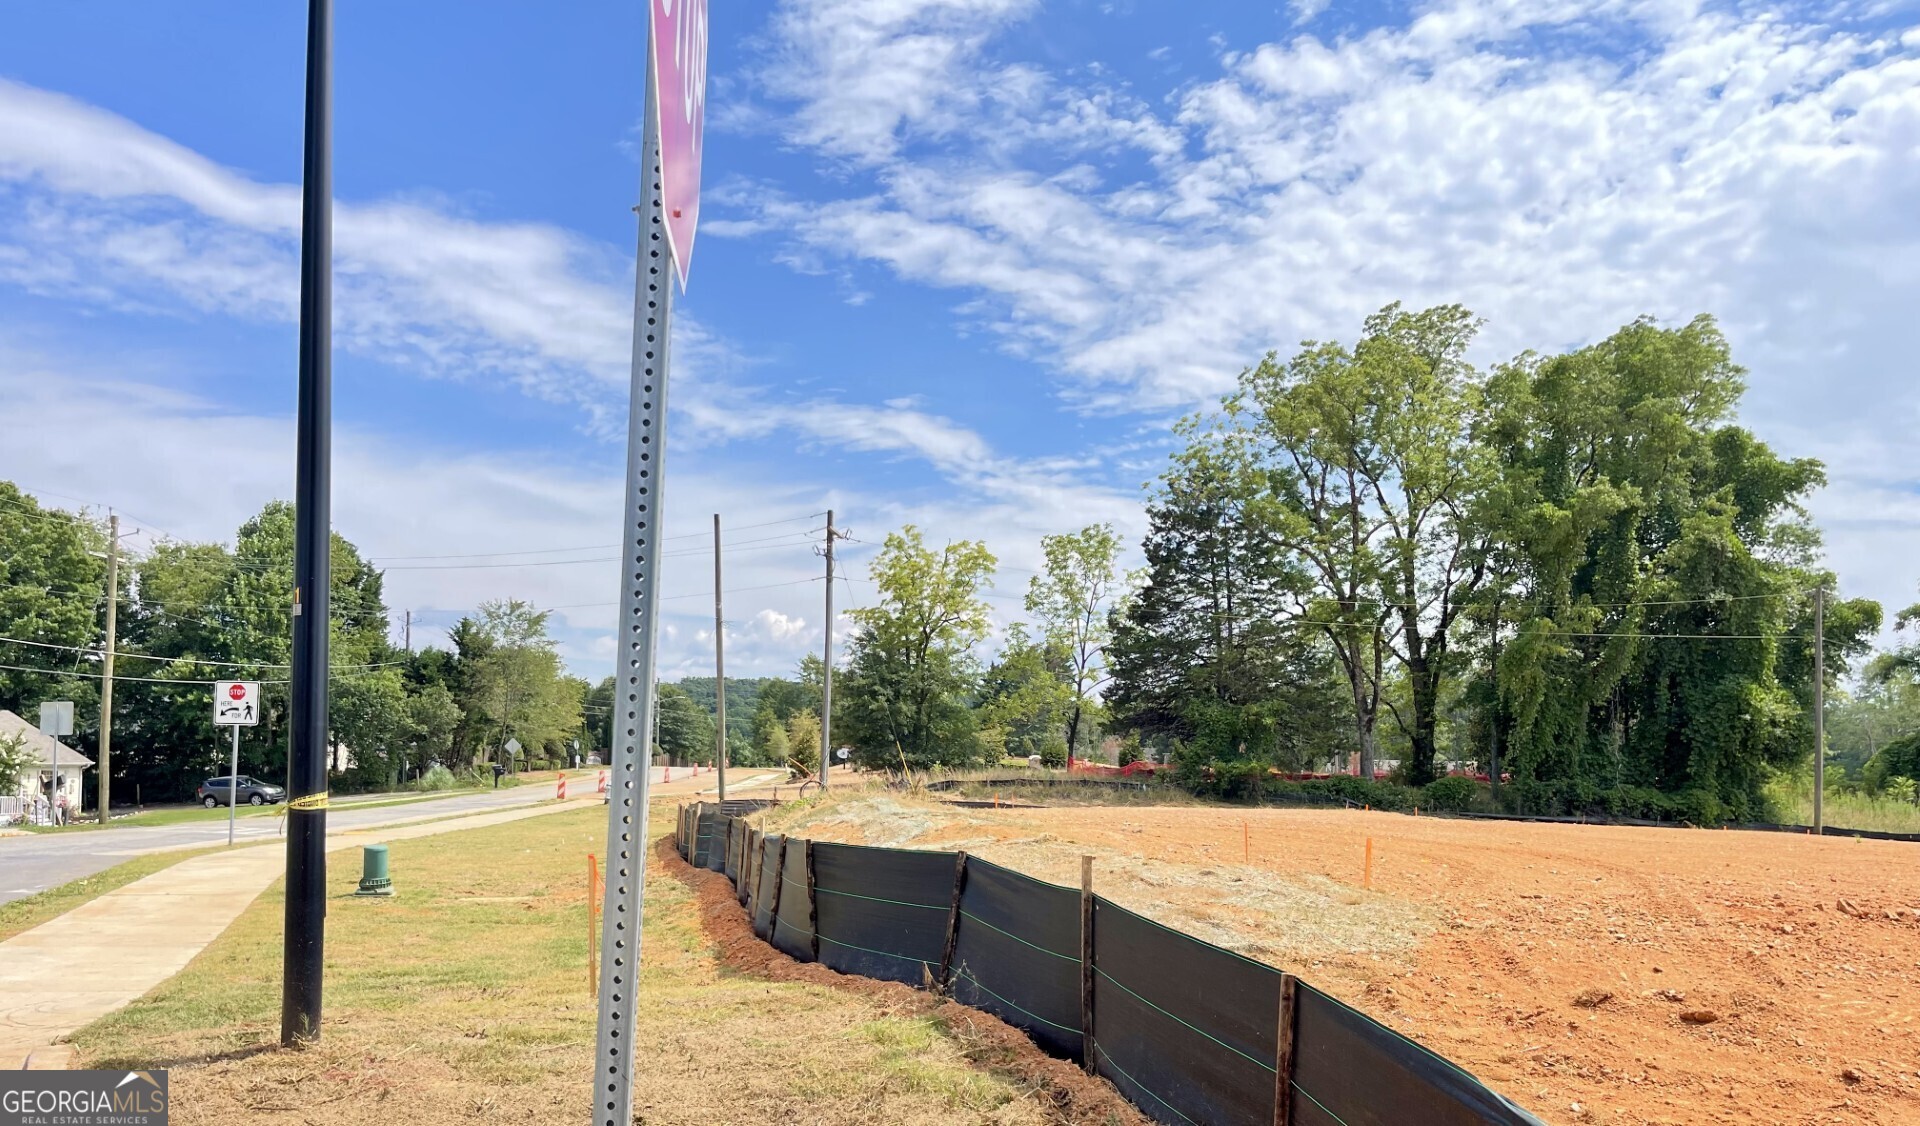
pixel 374 879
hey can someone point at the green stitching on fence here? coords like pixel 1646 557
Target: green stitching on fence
pixel 1317 1102
pixel 1195 1027
pixel 1137 1083
pixel 877 899
pixel 882 953
pixel 1011 1005
pixel 1063 957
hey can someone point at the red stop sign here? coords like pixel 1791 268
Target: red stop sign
pixel 237 691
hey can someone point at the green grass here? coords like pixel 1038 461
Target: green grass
pixel 469 992
pixel 1794 799
pixel 25 914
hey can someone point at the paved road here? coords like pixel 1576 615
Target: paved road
pixel 37 861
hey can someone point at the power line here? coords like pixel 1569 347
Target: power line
pixel 333 673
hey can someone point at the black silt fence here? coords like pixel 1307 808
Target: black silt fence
pixel 1187 1030
pixel 793 925
pixel 1016 954
pixel 768 883
pixel 1190 1033
pixel 1350 1069
pixel 882 912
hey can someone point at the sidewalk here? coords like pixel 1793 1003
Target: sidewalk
pixel 109 951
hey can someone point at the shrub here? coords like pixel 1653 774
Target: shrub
pixel 435 779
pixel 1453 793
pixel 1701 807
pixel 1130 752
pixel 1053 752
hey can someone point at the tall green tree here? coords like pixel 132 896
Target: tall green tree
pixel 1071 599
pixel 912 663
pixel 1656 622
pixel 1027 701
pixel 52 591
pixel 1374 459
pixel 1212 652
pixel 686 730
pixel 519 685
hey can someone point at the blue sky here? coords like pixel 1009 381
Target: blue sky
pixel 961 260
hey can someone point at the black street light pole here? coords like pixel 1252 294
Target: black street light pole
pixel 313 489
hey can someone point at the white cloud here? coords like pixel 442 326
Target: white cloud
pixel 1560 167
pixel 93 206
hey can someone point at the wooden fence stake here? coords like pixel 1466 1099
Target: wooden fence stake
pixel 1283 1054
pixel 953 920
pixel 1086 963
pixel 813 904
pixel 779 883
pixel 593 908
pixel 1368 884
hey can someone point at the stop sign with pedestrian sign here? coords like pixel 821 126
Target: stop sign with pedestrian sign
pixel 236 703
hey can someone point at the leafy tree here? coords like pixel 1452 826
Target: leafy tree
pixel 1025 697
pixel 802 739
pixel 912 663
pixel 686 730
pixel 1372 456
pixel 597 735
pixel 433 718
pixel 518 684
pixel 1655 622
pixel 52 591
pixel 1072 600
pixel 15 761
pixel 1213 651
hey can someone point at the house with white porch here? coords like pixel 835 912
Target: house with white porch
pixel 39 777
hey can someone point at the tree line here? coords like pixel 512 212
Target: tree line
pixel 193 613
pixel 1575 570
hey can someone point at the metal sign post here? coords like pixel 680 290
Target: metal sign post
pixel 56 721
pixel 236 704
pixel 670 169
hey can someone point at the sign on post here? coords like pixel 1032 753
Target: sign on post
pixel 236 703
pixel 677 39
pixel 56 718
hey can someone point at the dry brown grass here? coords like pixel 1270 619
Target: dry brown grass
pixel 465 999
pixel 1274 915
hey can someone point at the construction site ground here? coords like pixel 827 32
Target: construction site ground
pixel 1591 973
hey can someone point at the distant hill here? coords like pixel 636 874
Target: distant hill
pixel 743 695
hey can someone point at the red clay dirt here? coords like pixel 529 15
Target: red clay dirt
pixel 1075 1097
pixel 1591 973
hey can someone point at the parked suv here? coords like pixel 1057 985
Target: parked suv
pixel 213 792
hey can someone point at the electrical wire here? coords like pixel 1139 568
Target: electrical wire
pixel 333 673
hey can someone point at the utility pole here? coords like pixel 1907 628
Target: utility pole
pixel 306 886
pixel 1819 708
pixel 407 633
pixel 106 675
pixel 719 671
pixel 826 669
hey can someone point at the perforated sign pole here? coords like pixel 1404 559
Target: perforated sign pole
pixel 634 648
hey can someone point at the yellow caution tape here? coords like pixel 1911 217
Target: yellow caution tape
pixel 311 801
